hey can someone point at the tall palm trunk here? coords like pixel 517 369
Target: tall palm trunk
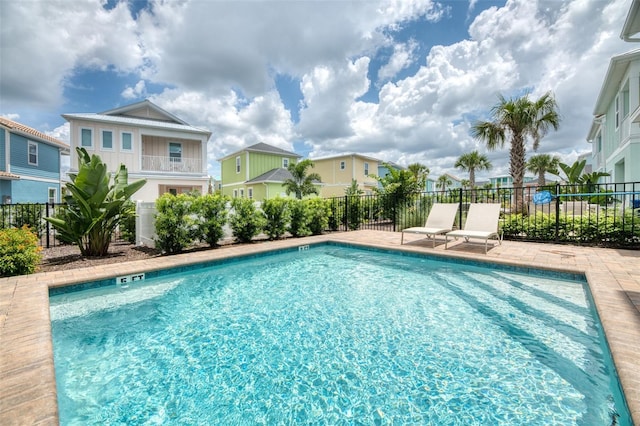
pixel 517 167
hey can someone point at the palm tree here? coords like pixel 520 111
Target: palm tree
pixel 517 120
pixel 466 183
pixel 300 182
pixel 420 173
pixel 472 161
pixel 443 182
pixel 541 164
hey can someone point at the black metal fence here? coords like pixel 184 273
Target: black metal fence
pixel 591 214
pixel 32 215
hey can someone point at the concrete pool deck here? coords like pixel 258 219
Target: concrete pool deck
pixel 27 378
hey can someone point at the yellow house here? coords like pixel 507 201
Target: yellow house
pixel 338 171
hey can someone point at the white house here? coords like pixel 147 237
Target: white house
pixel 152 143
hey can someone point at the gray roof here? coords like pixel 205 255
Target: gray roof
pixel 265 148
pixel 274 175
pixel 140 122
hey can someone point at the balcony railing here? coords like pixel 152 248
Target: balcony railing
pixel 154 163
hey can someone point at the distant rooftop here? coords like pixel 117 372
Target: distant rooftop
pixel 29 131
pixel 265 148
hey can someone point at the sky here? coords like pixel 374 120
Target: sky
pixel 402 81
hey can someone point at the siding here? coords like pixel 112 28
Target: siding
pixel 31 191
pixel 261 163
pixel 3 166
pixel 228 173
pixel 48 159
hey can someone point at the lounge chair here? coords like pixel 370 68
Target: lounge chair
pixel 482 222
pixel 440 221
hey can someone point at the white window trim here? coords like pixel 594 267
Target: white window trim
pixel 343 165
pixel 285 163
pixel 238 164
pixel 235 193
pixel 55 195
pixel 175 160
pixel 102 147
pixel 617 111
pixel 122 148
pixel 366 169
pixel 90 140
pixel 29 145
pixel 241 192
pixel 250 193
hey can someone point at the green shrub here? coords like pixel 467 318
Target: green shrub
pixel 245 221
pixel 319 210
pixel 276 215
pixel 127 223
pixel 175 227
pixel 354 212
pixel 335 216
pixel 299 224
pixel 30 215
pixel 211 212
pixel 19 252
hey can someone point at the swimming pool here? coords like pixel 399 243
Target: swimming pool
pixel 335 335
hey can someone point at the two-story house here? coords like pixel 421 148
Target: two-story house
pixel 152 143
pixel 29 164
pixel 256 172
pixel 337 173
pixel 615 129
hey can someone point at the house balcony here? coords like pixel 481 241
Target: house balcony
pixel 152 163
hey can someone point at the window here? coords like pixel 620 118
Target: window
pixel 617 111
pixel 175 152
pixel 241 192
pixel 53 195
pixel 33 153
pixel 237 164
pixel 250 193
pixel 107 139
pixel 235 193
pixel 343 165
pixel 285 163
pixel 366 169
pixel 599 143
pixel 86 138
pixel 126 141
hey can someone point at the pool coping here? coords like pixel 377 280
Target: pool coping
pixel 26 351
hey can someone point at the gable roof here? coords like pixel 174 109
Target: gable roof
pixel 631 25
pixel 30 132
pixel 149 106
pixel 350 154
pixel 615 73
pixel 273 175
pixel 148 115
pixel 263 148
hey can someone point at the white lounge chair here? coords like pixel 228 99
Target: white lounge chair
pixel 482 222
pixel 440 221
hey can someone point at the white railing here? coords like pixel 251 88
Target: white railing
pixel 167 164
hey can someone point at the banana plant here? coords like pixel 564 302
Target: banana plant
pixel 93 206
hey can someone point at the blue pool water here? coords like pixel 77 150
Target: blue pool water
pixel 335 335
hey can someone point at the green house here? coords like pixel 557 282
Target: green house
pixel 256 172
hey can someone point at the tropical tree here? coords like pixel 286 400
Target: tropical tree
pixel 516 121
pixel 466 183
pixel 541 164
pixel 443 182
pixel 93 206
pixel 420 173
pixel 472 161
pixel 397 189
pixel 301 183
pixel 572 172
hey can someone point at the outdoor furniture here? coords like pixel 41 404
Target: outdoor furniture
pixel 482 223
pixel 440 221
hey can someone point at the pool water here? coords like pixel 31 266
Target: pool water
pixel 335 335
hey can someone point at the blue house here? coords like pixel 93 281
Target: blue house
pixel 29 164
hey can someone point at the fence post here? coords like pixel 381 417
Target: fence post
pixel 557 211
pixel 47 223
pixel 346 213
pixel 459 208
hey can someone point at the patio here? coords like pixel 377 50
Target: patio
pixel 26 358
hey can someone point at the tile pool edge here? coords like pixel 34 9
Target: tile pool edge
pixel 25 331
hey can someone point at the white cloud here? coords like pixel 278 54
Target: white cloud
pixel 403 56
pixel 135 92
pixel 43 42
